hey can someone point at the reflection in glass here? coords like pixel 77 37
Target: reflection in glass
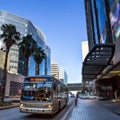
pixel 36 91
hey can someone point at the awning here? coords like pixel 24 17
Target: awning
pixel 113 71
pixel 96 61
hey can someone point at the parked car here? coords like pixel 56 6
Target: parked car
pixel 72 95
pixel 93 97
pixel 100 97
pixel 83 96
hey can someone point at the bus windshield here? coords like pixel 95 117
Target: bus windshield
pixel 37 91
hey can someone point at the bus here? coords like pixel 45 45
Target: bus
pixel 43 95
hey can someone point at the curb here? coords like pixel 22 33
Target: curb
pixel 117 112
pixel 7 107
pixel 68 112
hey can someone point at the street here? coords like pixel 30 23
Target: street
pixel 14 114
pixel 85 110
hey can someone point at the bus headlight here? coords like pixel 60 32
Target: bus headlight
pixel 49 106
pixel 21 105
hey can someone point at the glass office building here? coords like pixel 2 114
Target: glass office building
pixel 48 61
pixel 98 21
pixel 115 21
pixel 25 27
pixel 102 63
pixel 100 40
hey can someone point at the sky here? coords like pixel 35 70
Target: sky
pixel 63 23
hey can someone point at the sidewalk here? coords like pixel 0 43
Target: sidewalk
pixel 112 105
pixel 76 113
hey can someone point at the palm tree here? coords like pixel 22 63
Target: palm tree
pixel 38 56
pixel 10 37
pixel 27 46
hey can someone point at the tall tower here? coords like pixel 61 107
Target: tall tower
pixel 84 49
pixel 63 75
pixel 55 70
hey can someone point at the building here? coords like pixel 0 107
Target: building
pixel 2 56
pixel 48 61
pixel 59 72
pixel 84 49
pixel 16 60
pixel 63 75
pixel 25 27
pixel 55 70
pixel 102 63
pixel 13 84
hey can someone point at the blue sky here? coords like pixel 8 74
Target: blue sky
pixel 64 25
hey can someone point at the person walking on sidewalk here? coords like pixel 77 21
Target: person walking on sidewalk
pixel 76 99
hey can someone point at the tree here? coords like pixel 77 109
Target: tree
pixel 38 56
pixel 10 37
pixel 27 46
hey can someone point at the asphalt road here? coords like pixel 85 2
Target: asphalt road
pixel 14 114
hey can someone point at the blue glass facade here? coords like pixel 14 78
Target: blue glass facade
pixel 48 60
pixel 25 27
pixel 98 21
pixel 104 58
pixel 111 2
pixel 115 21
pixel 101 15
pixel 95 22
pixel 90 21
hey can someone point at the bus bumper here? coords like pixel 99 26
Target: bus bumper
pixel 36 110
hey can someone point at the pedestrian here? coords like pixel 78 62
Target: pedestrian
pixel 115 93
pixel 76 99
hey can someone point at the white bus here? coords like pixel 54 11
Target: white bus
pixel 43 95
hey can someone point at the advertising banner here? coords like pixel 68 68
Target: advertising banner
pixel 115 22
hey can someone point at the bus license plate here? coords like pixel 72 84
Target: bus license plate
pixel 34 110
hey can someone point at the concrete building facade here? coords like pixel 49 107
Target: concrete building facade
pixel 84 49
pixel 63 77
pixel 55 70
